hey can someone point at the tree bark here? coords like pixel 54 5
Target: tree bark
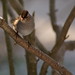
pixel 7 39
pixel 33 50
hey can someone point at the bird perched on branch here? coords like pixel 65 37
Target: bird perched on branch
pixel 24 24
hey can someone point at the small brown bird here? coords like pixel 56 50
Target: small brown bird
pixel 24 24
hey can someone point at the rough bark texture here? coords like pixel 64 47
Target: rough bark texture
pixel 30 58
pixel 33 50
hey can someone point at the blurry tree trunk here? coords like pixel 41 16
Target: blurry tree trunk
pixel 16 5
pixel 7 39
pixel 21 2
pixel 30 58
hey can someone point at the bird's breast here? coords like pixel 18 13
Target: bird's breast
pixel 25 28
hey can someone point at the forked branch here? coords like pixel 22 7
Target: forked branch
pixel 39 53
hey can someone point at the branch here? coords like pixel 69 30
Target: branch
pixel 11 12
pixel 39 53
pixel 54 54
pixel 64 31
pixel 16 5
pixel 21 2
pixel 70 45
pixel 44 69
pixel 56 28
pixel 7 39
pixel 52 16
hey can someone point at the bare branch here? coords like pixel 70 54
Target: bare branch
pixel 64 31
pixel 39 53
pixel 7 39
pixel 52 16
pixel 10 11
pixel 59 57
pixel 44 69
pixel 21 2
pixel 54 54
pixel 16 5
pixel 30 58
pixel 70 45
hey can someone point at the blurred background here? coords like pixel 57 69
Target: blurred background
pixel 44 33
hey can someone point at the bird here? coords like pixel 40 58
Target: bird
pixel 24 23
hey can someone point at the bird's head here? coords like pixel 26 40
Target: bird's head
pixel 24 14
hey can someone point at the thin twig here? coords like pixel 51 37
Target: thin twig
pixel 39 53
